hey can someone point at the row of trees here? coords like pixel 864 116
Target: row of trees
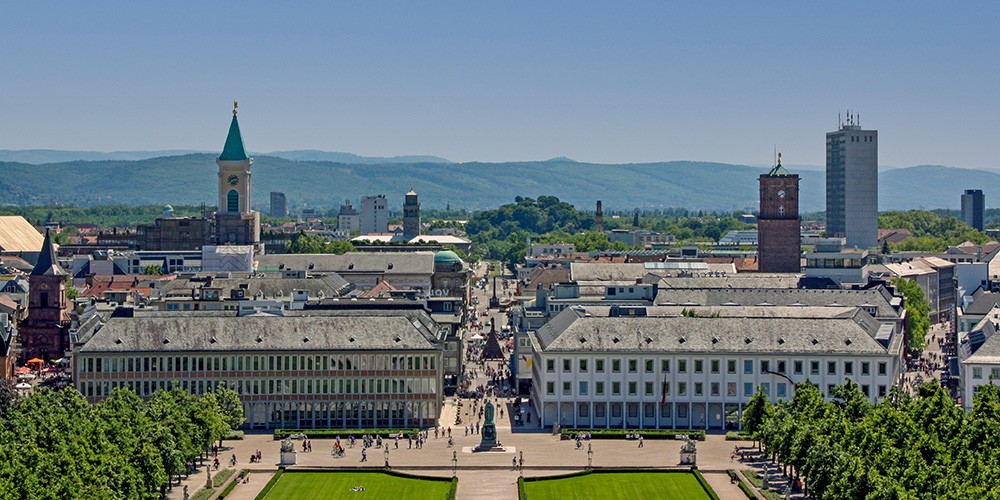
pixel 502 234
pixel 931 232
pixel 54 444
pixel 904 447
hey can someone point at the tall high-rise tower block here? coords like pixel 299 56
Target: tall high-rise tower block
pixel 852 184
pixel 973 205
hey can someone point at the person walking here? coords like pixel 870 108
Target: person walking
pixel 364 455
pixel 513 463
pixel 640 441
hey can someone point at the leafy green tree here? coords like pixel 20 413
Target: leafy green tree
pixel 917 312
pixel 310 243
pixel 230 405
pixel 754 414
pixel 152 270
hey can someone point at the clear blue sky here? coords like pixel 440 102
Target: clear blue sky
pixel 496 81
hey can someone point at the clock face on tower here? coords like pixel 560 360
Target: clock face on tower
pixel 233 180
pixel 781 194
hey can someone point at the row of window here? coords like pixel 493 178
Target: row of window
pixel 145 364
pixel 388 386
pixel 977 372
pixel 715 366
pixel 648 388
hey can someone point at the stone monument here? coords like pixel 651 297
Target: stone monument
pixel 489 432
pixel 287 452
pixel 689 454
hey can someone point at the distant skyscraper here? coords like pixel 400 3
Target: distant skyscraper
pixel 279 204
pixel 374 214
pixel 973 205
pixel 779 232
pixel 411 216
pixel 852 184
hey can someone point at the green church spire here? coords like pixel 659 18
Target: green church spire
pixel 234 150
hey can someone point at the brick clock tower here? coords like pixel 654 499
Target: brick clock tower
pixel 45 332
pixel 778 227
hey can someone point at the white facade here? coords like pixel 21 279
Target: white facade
pixel 686 368
pixel 626 390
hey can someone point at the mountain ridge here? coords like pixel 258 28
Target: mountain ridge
pixel 191 179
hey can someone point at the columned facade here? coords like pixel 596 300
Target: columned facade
pixel 333 389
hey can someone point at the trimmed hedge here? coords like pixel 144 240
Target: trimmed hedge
pixel 704 484
pixel 220 478
pixel 343 433
pixel 453 490
pixel 743 485
pixel 234 434
pixel 697 434
pixel 270 484
pixel 521 494
pixel 232 485
pixel 738 436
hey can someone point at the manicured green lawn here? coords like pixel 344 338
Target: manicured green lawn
pixel 631 485
pixel 337 485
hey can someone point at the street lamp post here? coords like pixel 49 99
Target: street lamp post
pixel 590 457
pixel 520 465
pixel 454 464
pixel 386 454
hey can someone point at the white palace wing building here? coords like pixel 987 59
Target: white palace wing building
pixel 696 367
pixel 374 369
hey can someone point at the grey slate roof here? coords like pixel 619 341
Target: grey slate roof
pixel 331 284
pixel 749 280
pixel 573 331
pixel 878 297
pixel 982 303
pixel 600 271
pixel 354 262
pixel 259 332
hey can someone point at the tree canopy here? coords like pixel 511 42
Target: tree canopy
pixel 310 243
pixel 917 312
pixel 931 232
pixel 903 447
pixel 54 444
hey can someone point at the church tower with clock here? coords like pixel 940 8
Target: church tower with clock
pixel 779 231
pixel 235 222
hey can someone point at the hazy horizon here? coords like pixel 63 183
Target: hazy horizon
pixel 631 83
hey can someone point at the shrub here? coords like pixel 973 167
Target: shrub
pixel 220 478
pixel 343 433
pixel 738 436
pixel 645 433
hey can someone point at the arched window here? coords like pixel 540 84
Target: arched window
pixel 232 201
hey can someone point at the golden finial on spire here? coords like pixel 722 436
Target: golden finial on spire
pixel 236 104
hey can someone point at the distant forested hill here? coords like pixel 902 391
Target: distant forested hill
pixel 191 179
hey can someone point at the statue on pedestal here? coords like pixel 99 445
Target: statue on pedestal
pixel 689 453
pixel 489 430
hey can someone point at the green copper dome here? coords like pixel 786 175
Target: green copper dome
pixel 234 150
pixel 446 258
